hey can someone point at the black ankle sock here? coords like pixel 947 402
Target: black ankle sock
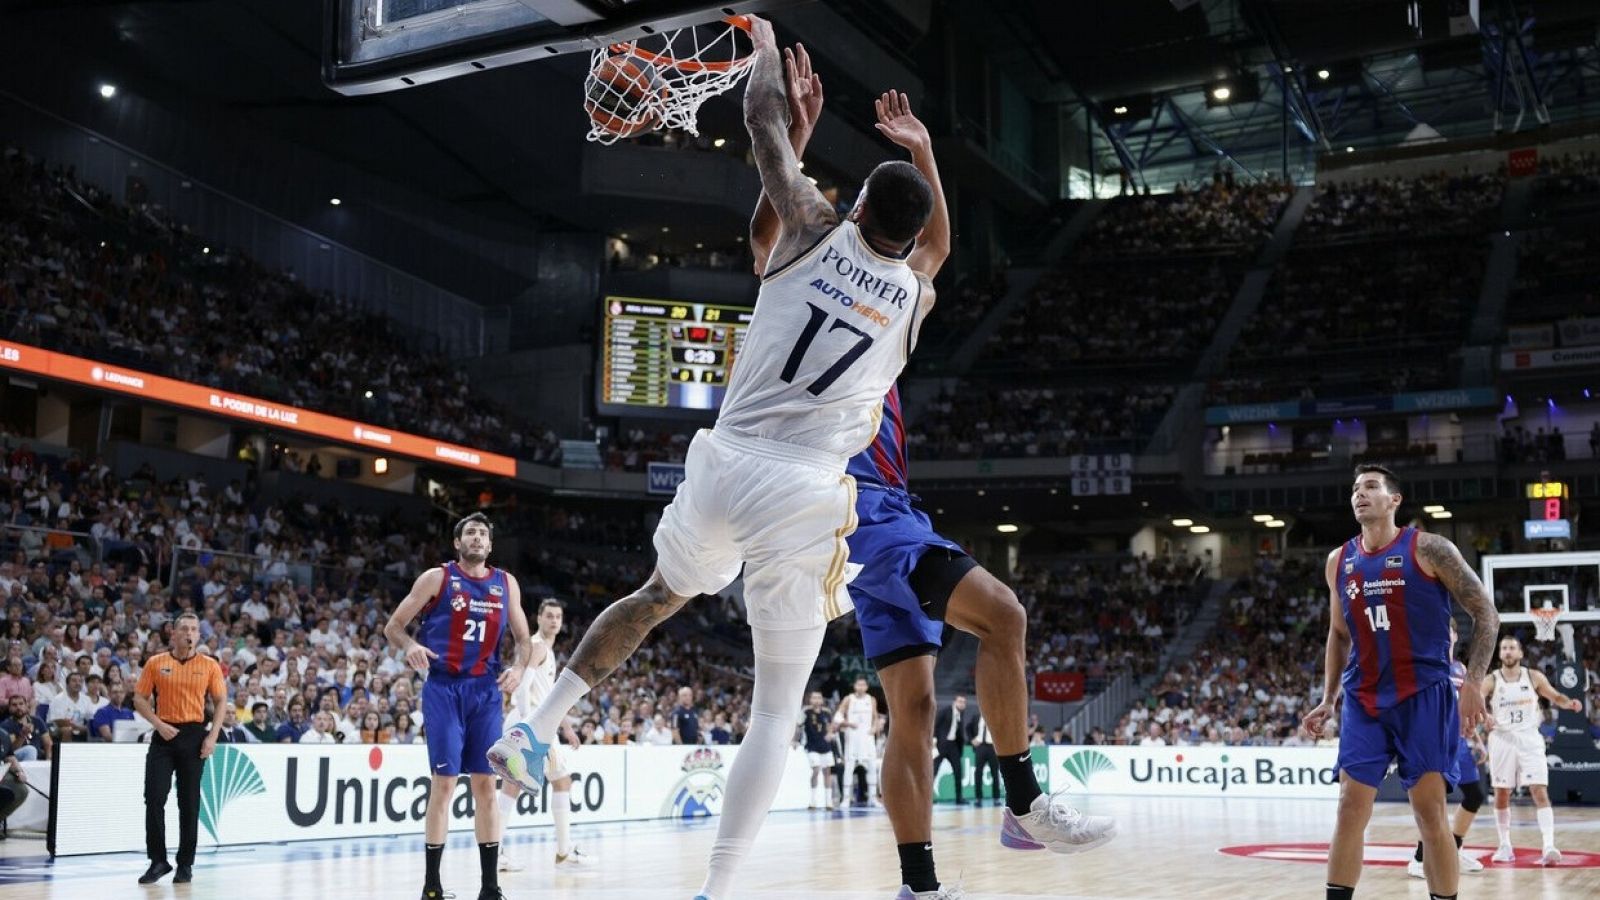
pixel 916 866
pixel 1340 892
pixel 1458 841
pixel 488 861
pixel 430 881
pixel 1021 786
pixel 1441 897
pixel 1418 857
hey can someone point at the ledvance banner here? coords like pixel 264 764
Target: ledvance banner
pixel 258 793
pixel 1279 772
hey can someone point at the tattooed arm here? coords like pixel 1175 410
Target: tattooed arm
pixel 619 630
pixel 1440 559
pixel 803 212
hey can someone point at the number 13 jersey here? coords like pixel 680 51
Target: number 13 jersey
pixel 1399 622
pixel 831 332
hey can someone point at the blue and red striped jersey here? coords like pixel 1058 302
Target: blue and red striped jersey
pixel 1399 621
pixel 883 463
pixel 465 622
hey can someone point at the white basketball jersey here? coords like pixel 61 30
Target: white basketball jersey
pixel 830 334
pixel 536 683
pixel 859 712
pixel 1516 704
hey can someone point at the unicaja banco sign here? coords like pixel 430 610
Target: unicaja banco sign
pixel 1199 771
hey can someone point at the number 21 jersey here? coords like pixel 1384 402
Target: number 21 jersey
pixel 1399 622
pixel 463 624
pixel 830 334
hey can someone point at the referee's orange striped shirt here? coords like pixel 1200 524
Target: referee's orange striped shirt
pixel 181 685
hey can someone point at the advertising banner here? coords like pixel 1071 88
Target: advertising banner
pixel 944 785
pixel 1419 401
pixel 662 479
pixel 159 389
pixel 1579 332
pixel 1058 687
pixel 1277 772
pixel 257 793
pixel 1549 359
pixel 1530 337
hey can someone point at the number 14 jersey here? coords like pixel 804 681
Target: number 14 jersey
pixel 1399 622
pixel 831 331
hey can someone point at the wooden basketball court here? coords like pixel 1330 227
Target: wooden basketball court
pixel 1167 848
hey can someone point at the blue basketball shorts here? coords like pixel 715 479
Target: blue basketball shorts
pixel 461 717
pixel 1467 765
pixel 1421 733
pixel 908 572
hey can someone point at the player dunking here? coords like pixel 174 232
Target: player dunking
pixel 766 488
pixel 535 686
pixel 858 723
pixel 465 607
pixel 913 581
pixel 819 751
pixel 1469 780
pixel 1516 748
pixel 1389 631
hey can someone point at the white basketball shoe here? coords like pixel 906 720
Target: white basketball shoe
pixel 1469 866
pixel 1503 854
pixel 1053 824
pixel 944 892
pixel 577 859
pixel 1550 857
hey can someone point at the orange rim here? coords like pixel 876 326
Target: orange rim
pixel 668 61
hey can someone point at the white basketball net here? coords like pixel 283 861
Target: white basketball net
pixel 678 70
pixel 1544 622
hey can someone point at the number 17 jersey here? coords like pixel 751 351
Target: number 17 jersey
pixel 1399 622
pixel 831 331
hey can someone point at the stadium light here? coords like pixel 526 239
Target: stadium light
pixel 1120 110
pixel 1182 523
pixel 369 393
pixel 1443 514
pixel 1221 92
pixel 108 90
pixel 1433 509
pixel 1006 529
pixel 334 201
pixel 380 466
pixel 1200 529
pixel 1324 74
pixel 719 143
pixel 1263 517
pixel 1275 523
pixel 202 249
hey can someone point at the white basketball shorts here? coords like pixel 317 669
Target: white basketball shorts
pixel 781 511
pixel 819 760
pixel 1517 759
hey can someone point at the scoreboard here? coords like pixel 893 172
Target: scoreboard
pixel 663 355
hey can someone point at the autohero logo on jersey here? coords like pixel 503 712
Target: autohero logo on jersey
pixel 864 283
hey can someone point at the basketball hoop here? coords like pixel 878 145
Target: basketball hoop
pixel 660 80
pixel 1544 622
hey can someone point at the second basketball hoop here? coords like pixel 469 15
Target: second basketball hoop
pixel 661 80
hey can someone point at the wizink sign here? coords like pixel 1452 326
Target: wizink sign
pixel 1295 772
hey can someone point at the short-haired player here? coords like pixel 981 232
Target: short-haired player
pixel 535 687
pixel 1516 748
pixel 858 725
pixel 1388 653
pixel 814 727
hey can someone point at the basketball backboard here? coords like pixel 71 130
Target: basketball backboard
pixel 1521 582
pixel 372 46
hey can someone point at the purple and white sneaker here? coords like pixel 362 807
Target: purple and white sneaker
pixel 1053 824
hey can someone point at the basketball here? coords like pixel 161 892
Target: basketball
pixel 618 93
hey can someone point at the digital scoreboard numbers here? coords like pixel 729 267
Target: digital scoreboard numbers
pixel 1102 474
pixel 659 355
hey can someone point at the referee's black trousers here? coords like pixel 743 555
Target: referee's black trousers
pixel 180 756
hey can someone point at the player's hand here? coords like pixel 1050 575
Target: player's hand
pixel 207 746
pixel 1473 712
pixel 167 732
pixel 761 36
pixel 1577 705
pixel 510 678
pixel 898 124
pixel 1317 720
pixel 805 94
pixel 417 657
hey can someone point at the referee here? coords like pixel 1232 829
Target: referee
pixel 180 679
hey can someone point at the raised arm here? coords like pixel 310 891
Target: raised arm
pixel 1338 650
pixel 1439 558
pixel 900 125
pixel 805 105
pixel 803 213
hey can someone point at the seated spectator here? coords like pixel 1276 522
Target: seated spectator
pixel 117 709
pixel 404 732
pixel 321 731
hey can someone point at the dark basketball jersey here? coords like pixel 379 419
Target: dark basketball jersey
pixel 883 463
pixel 816 730
pixel 465 622
pixel 1399 622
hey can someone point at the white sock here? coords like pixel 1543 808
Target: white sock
pixel 784 660
pixel 566 692
pixel 1547 824
pixel 561 812
pixel 1502 824
pixel 506 805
